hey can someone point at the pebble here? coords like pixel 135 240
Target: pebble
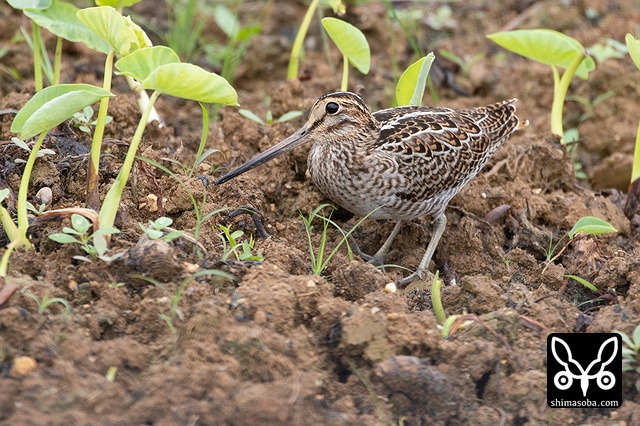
pixel 260 317
pixel 44 195
pixel 22 365
pixel 391 288
pixel 152 202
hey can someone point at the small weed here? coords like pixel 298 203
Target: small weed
pixel 186 23
pixel 588 225
pixel 352 44
pixel 46 302
pixel 464 64
pixel 606 49
pixel 82 120
pixel 318 263
pixel 556 50
pixel 241 250
pixel 154 231
pixel 228 56
pixel 631 354
pixel 200 218
pixel 268 121
pixel 22 144
pixel 584 282
pixel 79 234
pixel 174 310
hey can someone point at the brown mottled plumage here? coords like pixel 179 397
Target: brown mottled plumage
pixel 406 162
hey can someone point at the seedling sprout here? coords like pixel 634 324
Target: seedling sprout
pixel 352 44
pixel 556 50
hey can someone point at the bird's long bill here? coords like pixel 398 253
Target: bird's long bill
pixel 293 141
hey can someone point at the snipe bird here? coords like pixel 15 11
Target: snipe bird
pixel 399 163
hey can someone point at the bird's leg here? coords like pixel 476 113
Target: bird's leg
pixel 378 258
pixel 439 223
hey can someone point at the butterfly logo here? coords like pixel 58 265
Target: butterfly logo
pixel 563 380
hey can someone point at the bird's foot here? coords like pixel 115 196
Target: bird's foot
pixel 418 275
pixel 377 259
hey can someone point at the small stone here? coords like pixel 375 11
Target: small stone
pixel 152 202
pixel 73 285
pixel 393 316
pixel 260 317
pixel 375 310
pixel 311 284
pixel 390 288
pixel 191 267
pixel 44 196
pixel 22 365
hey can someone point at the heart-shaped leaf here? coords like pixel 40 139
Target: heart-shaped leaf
pixel 351 42
pixel 122 34
pixel 189 81
pixel 53 105
pixel 61 20
pixel 141 63
pixel 413 82
pixel 545 46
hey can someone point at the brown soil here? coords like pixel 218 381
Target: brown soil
pixel 278 345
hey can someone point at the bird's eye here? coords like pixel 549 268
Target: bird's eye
pixel 332 108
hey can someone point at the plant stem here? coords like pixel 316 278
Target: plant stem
pixel 294 60
pixel 4 261
pixel 37 59
pixel 436 299
pixel 345 74
pixel 10 228
pixel 23 221
pixel 93 198
pixel 559 95
pixel 635 173
pixel 109 209
pixel 56 62
pixel 203 137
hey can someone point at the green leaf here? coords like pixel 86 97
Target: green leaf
pixel 122 34
pixel 80 223
pixel 288 116
pixel 172 235
pixel 29 4
pixel 141 63
pixel 61 20
pixel 634 49
pixel 413 82
pixel 226 20
pixel 100 244
pixel 116 3
pixel 584 282
pixel 63 238
pixel 250 115
pixel 106 231
pixel 189 81
pixel 162 222
pixel 53 105
pixel 591 225
pixel 154 234
pixel 545 46
pixel 351 42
